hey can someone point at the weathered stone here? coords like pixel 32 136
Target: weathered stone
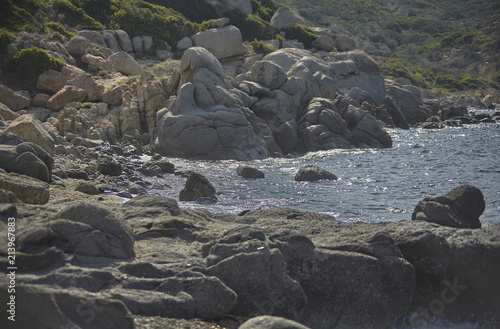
pixel 87 188
pixel 124 63
pixel 184 43
pixel 323 42
pixel 13 100
pixel 113 96
pixel 58 308
pixel 108 166
pixel 268 74
pixel 111 41
pixel 285 18
pixel 93 36
pixel 26 189
pixel 249 172
pixel 271 322
pixel 52 81
pixel 7 114
pixel 345 43
pixel 67 94
pixel 224 129
pixel 124 40
pixel 92 230
pixel 313 173
pixel 77 45
pixel 29 164
pixel 259 278
pixel 31 130
pixel 41 100
pixel 197 187
pixel 222 42
pixel 96 61
pixel 85 82
pixel 461 207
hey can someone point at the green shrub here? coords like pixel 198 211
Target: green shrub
pixel 260 47
pixel 301 33
pixel 5 39
pixel 251 26
pixel 75 16
pixel 396 68
pixel 33 61
pixel 56 27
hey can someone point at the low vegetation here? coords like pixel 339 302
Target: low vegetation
pixel 454 45
pixel 32 62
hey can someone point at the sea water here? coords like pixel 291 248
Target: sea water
pixel 373 185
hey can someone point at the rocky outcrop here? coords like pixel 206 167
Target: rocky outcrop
pixel 15 101
pixel 31 130
pixel 151 258
pixel 221 42
pixel 286 102
pixel 26 189
pixel 224 129
pixel 461 207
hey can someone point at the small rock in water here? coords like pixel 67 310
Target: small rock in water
pixel 249 172
pixel 313 173
pixel 197 187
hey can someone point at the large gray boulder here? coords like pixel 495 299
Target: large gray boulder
pixel 82 228
pixel 260 281
pixel 208 119
pixel 26 189
pixel 13 100
pixel 285 18
pixel 93 36
pixel 124 63
pixel 53 307
pixel 221 42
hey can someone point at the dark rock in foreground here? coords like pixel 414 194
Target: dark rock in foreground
pixel 149 258
pixel 461 207
pixel 271 322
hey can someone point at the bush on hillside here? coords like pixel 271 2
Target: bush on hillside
pixel 33 61
pixel 260 47
pixel 302 34
pixel 5 39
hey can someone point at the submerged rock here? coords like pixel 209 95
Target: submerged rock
pixel 249 172
pixel 313 173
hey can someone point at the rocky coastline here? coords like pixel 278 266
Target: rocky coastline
pixel 72 150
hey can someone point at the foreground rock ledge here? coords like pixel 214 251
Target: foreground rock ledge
pixel 305 267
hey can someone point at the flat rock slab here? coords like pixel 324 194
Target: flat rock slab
pixel 26 189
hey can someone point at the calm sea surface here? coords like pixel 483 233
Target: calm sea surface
pixel 374 184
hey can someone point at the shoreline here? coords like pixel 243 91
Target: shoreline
pixel 143 258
